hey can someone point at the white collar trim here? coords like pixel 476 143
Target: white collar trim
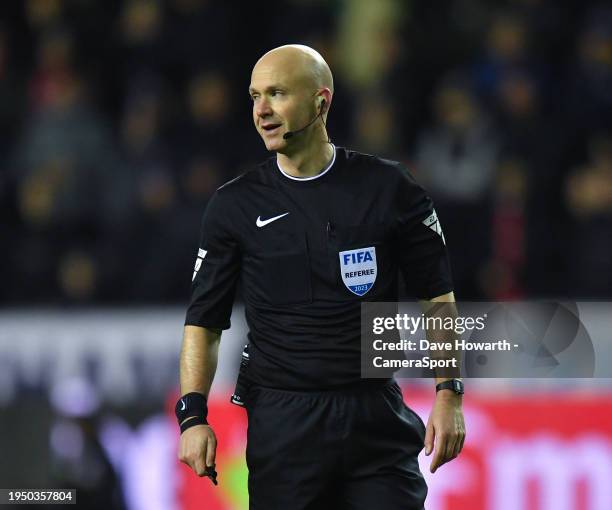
pixel 301 179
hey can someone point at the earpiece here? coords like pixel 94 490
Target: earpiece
pixel 290 134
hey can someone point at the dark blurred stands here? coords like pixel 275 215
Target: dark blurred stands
pixel 119 119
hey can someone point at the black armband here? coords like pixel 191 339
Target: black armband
pixel 191 405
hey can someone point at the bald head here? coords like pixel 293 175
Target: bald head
pixel 300 63
pixel 291 87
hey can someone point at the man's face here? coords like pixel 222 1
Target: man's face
pixel 282 101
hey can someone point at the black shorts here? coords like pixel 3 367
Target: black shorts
pixel 350 449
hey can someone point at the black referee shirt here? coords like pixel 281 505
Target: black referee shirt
pixel 308 252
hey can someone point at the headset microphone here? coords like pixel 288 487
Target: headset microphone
pixel 290 134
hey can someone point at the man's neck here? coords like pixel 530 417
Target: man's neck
pixel 308 162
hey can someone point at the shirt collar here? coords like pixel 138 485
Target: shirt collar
pixel 320 174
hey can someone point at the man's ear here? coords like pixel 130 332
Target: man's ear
pixel 324 100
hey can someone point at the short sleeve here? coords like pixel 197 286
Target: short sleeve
pixel 422 252
pixel 216 270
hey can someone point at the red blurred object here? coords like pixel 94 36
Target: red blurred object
pixel 545 451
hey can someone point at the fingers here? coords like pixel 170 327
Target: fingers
pixel 447 447
pixel 195 460
pixel 429 438
pixel 459 437
pixel 436 462
pixel 451 445
pixel 198 448
pixel 211 451
pixel 199 466
pixel 459 444
pixel 445 433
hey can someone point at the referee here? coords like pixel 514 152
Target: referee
pixel 313 232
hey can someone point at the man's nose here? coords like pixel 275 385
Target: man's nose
pixel 262 108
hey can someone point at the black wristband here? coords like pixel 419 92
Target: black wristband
pixel 192 422
pixel 191 405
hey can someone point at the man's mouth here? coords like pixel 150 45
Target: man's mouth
pixel 270 128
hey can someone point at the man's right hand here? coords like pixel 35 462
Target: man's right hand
pixel 198 449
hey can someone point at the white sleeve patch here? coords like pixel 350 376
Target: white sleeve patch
pixel 201 254
pixel 432 222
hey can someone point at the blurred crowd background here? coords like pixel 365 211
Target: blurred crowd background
pixel 119 119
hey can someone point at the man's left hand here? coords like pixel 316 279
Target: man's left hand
pixel 445 428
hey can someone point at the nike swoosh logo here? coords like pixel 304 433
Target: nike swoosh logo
pixel 183 402
pixel 262 223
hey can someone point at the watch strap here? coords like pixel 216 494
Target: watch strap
pixel 453 384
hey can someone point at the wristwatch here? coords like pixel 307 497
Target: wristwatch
pixel 454 384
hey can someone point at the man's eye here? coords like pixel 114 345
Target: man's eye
pixel 254 98
pixel 277 93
